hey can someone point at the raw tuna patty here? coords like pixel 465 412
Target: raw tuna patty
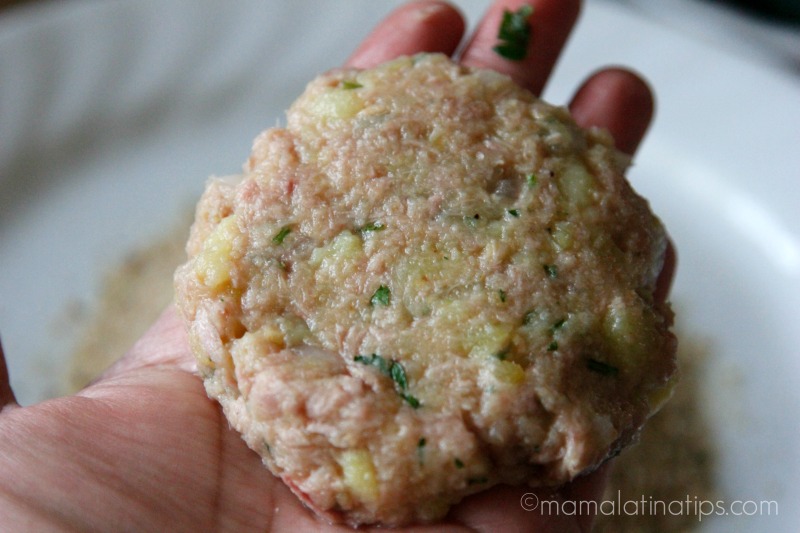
pixel 428 283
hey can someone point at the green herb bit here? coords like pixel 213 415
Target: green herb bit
pixel 503 354
pixel 553 346
pixel 601 368
pixel 393 370
pixel 421 449
pixel 477 480
pixel 531 179
pixel 559 324
pixel 514 33
pixel 374 360
pixel 281 235
pixel 398 375
pixel 350 84
pixel 410 400
pixel 502 295
pixel 513 212
pixel 458 462
pixel 551 271
pixel 382 296
pixel 372 226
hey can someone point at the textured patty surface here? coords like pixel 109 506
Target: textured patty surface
pixel 428 283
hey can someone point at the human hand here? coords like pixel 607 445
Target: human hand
pixel 144 449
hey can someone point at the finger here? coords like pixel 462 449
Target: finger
pixel 621 102
pixel 505 508
pixel 164 345
pixel 667 274
pixel 422 26
pixel 586 492
pixel 618 100
pixel 6 394
pixel 551 23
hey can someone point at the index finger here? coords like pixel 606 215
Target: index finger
pixel 421 26
pixel 550 25
pixel 6 394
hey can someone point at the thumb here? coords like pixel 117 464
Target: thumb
pixel 6 394
pixel 165 345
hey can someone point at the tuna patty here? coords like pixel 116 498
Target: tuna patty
pixel 428 283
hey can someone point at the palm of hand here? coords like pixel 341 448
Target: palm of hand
pixel 144 449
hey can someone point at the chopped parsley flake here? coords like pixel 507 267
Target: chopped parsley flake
pixel 531 179
pixel 350 84
pixel 553 346
pixel 502 354
pixel 551 271
pixel 281 235
pixel 502 295
pixel 375 360
pixel 372 226
pixel 398 375
pixel 601 368
pixel 559 324
pixel 514 213
pixel 393 370
pixel 410 400
pixel 458 462
pixel 514 33
pixel 382 296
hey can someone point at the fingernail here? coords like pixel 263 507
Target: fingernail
pixel 429 9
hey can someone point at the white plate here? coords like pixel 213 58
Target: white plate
pixel 112 114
